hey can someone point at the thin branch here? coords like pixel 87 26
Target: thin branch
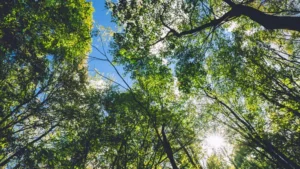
pixel 96 58
pixel 4 162
pixel 98 73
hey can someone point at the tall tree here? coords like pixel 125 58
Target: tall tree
pixel 43 50
pixel 226 50
pixel 152 134
pixel 77 142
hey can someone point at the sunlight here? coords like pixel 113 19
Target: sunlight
pixel 215 141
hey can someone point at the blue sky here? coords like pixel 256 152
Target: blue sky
pixel 102 17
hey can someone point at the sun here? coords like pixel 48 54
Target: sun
pixel 215 141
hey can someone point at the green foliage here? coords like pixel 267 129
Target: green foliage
pixel 76 142
pixel 246 75
pixel 43 48
pixel 197 67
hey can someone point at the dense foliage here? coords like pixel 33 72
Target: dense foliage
pixel 43 50
pixel 215 84
pixel 240 57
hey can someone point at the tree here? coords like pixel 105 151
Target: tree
pixel 196 67
pixel 224 49
pixel 147 120
pixel 79 141
pixel 152 133
pixel 43 47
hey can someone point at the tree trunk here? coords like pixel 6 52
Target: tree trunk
pixel 168 149
pixel 269 21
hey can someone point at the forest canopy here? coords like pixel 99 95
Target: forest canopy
pixel 215 84
pixel 43 50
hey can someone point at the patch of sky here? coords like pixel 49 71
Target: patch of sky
pixel 104 26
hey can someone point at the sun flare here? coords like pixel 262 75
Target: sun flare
pixel 215 141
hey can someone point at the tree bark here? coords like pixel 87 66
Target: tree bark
pixel 168 149
pixel 270 22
